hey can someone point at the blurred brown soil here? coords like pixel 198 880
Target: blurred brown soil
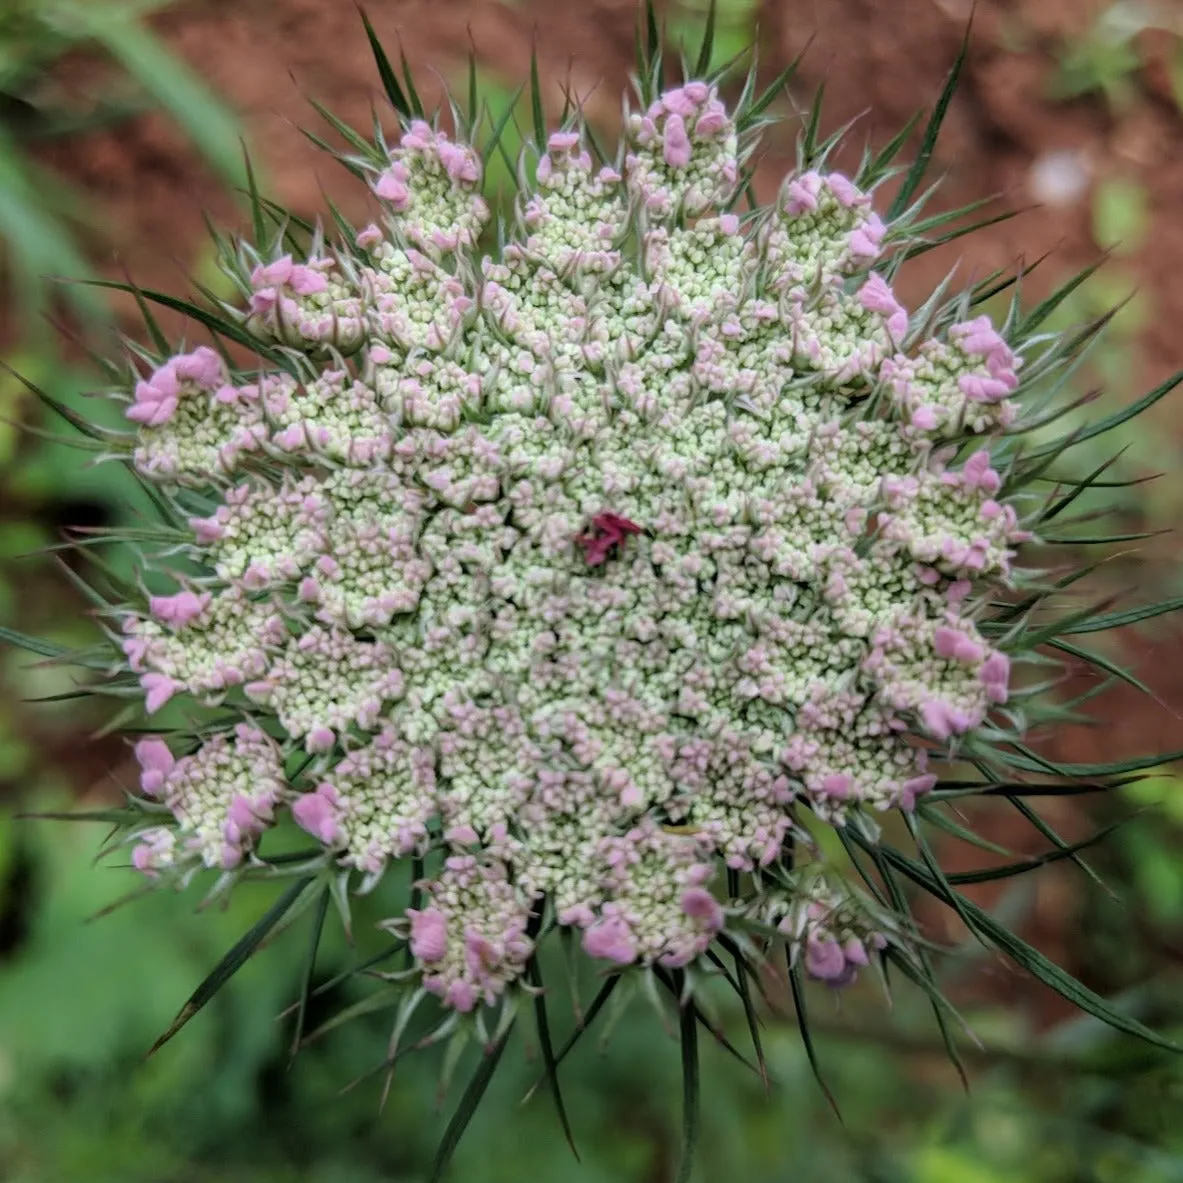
pixel 881 61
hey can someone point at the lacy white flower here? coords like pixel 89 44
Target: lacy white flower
pixel 656 504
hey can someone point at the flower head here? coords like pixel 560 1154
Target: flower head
pixel 576 584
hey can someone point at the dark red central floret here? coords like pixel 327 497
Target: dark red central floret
pixel 607 530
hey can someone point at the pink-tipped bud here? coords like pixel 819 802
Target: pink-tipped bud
pixel 156 762
pixel 700 905
pixel 158 689
pixel 610 939
pixel 676 143
pixel 273 274
pixel 318 813
pixel 320 739
pixel 429 934
pixel 824 959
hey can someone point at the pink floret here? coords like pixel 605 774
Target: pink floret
pixel 156 762
pixel 676 143
pixel 610 939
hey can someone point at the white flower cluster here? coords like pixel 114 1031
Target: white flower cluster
pixel 585 567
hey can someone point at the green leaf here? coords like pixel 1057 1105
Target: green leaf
pixel 79 422
pixel 921 974
pixel 1042 311
pixel 30 644
pixel 386 73
pixel 937 818
pixel 258 219
pixel 216 324
pixel 1029 761
pixel 809 138
pixel 1009 870
pixel 551 1064
pixel 1108 620
pixel 498 131
pixel 363 147
pixel 234 960
pixel 688 1026
pixel 477 1085
pixel 159 340
pixel 932 130
pixel 746 116
pixel 1080 488
pixel 798 990
pixel 114 817
pixel 1118 418
pixel 372 1003
pixel 318 921
pixel 653 65
pixel 878 166
pixel 934 869
pixel 750 1016
pixel 1050 834
pixel 536 110
pixel 597 1004
pixel 1032 960
pixel 914 251
pixel 413 99
pixel 936 221
pixel 1101 662
pixel 706 49
pixel 676 986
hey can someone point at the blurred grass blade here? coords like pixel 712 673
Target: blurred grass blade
pixel 204 118
pixel 40 245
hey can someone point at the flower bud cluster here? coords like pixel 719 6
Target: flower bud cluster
pixel 828 932
pixel 822 226
pixel 471 937
pixel 432 185
pixel 375 805
pixel 222 798
pixel 588 567
pixel 306 305
pixel 683 153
